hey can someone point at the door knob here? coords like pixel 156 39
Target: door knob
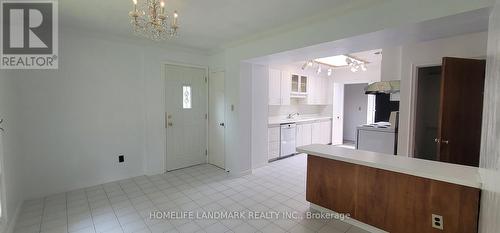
pixel 170 124
pixel 222 124
pixel 445 142
pixel 437 140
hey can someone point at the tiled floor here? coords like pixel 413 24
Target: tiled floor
pixel 125 206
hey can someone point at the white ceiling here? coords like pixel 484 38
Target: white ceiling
pixel 205 24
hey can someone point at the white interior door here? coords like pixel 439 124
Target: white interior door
pixel 185 116
pixel 216 120
pixel 338 114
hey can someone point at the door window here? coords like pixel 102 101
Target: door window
pixel 186 97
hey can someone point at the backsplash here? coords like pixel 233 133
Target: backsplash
pixel 283 110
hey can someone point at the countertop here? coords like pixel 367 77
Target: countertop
pixel 276 121
pixel 446 172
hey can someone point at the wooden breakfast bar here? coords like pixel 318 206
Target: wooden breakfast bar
pixel 393 193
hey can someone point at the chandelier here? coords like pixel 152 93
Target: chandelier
pixel 149 20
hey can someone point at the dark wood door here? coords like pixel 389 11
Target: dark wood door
pixel 460 115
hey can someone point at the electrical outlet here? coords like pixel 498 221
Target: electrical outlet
pixel 437 221
pixel 121 158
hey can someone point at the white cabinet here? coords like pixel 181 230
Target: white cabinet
pixel 320 91
pixel 274 87
pixel 299 86
pixel 286 88
pixel 273 135
pixel 316 133
pixel 326 132
pixel 321 132
pixel 304 134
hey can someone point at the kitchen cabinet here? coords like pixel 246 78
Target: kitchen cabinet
pixel 321 132
pixel 286 88
pixel 274 87
pixel 304 134
pixel 326 132
pixel 308 132
pixel 320 91
pixel 273 134
pixel 299 86
pixel 316 132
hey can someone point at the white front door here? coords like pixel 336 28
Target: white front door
pixel 338 114
pixel 216 120
pixel 185 116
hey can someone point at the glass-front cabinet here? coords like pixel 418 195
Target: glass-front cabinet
pixel 299 86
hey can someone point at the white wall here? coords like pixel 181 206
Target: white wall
pixel 355 109
pixel 106 98
pixel 490 148
pixel 260 97
pixel 424 54
pixel 12 169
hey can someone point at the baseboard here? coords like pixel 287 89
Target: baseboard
pixel 12 223
pixel 351 221
pixel 240 174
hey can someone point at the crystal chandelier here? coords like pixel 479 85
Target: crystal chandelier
pixel 148 19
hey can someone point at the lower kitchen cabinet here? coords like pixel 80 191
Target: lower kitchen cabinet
pixel 326 132
pixel 312 132
pixel 317 132
pixel 273 148
pixel 304 134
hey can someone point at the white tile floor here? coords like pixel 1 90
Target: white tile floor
pixel 125 206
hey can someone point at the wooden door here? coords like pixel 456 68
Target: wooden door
pixel 460 114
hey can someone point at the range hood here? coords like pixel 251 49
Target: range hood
pixel 385 87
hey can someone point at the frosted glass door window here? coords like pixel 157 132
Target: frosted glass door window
pixel 295 83
pixel 303 84
pixel 186 97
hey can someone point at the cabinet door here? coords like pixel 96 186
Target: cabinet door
pixel 274 87
pixel 316 133
pixel 286 88
pixel 295 83
pixel 311 91
pixel 306 134
pixel 326 132
pixel 298 135
pixel 273 135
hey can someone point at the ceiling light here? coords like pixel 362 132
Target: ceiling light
pixel 150 20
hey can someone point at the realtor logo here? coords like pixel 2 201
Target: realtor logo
pixel 29 31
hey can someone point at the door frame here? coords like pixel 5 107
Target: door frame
pixel 225 109
pixel 163 77
pixel 412 123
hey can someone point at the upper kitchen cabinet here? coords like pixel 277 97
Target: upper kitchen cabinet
pixel 320 91
pixel 286 88
pixel 279 87
pixel 274 87
pixel 299 86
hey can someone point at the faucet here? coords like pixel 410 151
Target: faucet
pixel 291 115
